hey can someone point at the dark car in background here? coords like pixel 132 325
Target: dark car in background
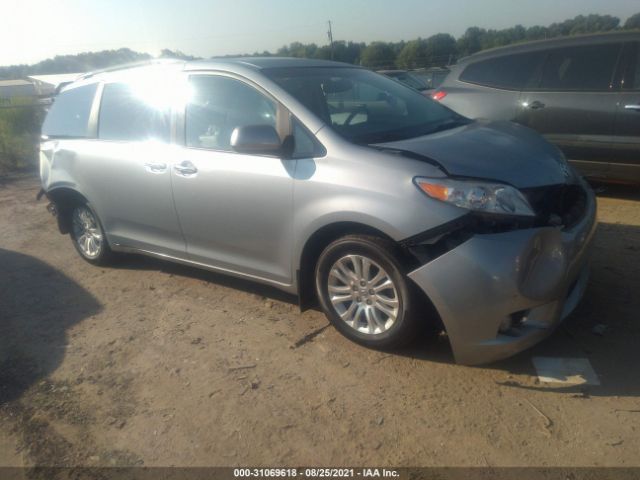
pixel 408 78
pixel 582 93
pixel 432 77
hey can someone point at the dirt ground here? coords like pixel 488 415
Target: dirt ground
pixel 149 363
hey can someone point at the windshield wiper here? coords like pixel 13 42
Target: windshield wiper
pixel 448 125
pixel 408 154
pixel 406 132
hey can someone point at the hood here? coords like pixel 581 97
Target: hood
pixel 501 151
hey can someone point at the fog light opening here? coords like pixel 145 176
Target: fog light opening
pixel 505 325
pixel 511 324
pixel 518 319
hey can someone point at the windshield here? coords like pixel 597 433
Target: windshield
pixel 362 106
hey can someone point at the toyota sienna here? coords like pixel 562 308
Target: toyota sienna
pixel 329 181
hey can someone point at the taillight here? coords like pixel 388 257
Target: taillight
pixel 439 95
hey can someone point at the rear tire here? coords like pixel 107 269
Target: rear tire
pixel 88 235
pixel 364 292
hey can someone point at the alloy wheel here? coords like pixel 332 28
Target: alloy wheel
pixel 86 232
pixel 363 294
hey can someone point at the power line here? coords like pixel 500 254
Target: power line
pixel 330 35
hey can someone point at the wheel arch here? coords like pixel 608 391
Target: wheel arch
pixel 317 242
pixel 64 199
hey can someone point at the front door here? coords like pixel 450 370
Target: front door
pixel 235 210
pixel 574 102
pixel 626 144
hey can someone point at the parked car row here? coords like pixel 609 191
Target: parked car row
pixel 433 76
pixel 581 93
pixel 424 80
pixel 407 78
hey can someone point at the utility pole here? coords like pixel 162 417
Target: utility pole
pixel 330 35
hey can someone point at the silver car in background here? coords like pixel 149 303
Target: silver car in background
pixel 389 210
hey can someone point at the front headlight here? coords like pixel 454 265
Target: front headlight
pixel 476 195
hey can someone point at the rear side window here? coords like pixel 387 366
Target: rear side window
pixel 589 67
pixel 128 112
pixel 512 72
pixel 69 114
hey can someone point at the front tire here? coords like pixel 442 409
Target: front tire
pixel 365 294
pixel 88 235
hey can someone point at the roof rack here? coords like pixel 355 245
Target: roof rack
pixel 124 66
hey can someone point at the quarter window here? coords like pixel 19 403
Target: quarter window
pixel 218 105
pixel 69 114
pixel 130 112
pixel 588 68
pixel 305 145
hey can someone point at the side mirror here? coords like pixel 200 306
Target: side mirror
pixel 256 140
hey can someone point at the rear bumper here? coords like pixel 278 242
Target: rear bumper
pixel 534 277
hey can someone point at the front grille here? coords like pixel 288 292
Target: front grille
pixel 557 205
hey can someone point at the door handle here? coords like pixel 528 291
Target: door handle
pixel 632 107
pixel 185 168
pixel 535 105
pixel 155 167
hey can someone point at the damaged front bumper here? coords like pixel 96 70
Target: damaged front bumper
pixel 498 294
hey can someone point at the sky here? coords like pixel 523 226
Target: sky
pixel 33 30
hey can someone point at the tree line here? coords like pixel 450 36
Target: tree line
pixel 19 127
pixel 19 134
pixel 442 49
pixel 437 50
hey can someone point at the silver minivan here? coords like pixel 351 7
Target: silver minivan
pixel 388 210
